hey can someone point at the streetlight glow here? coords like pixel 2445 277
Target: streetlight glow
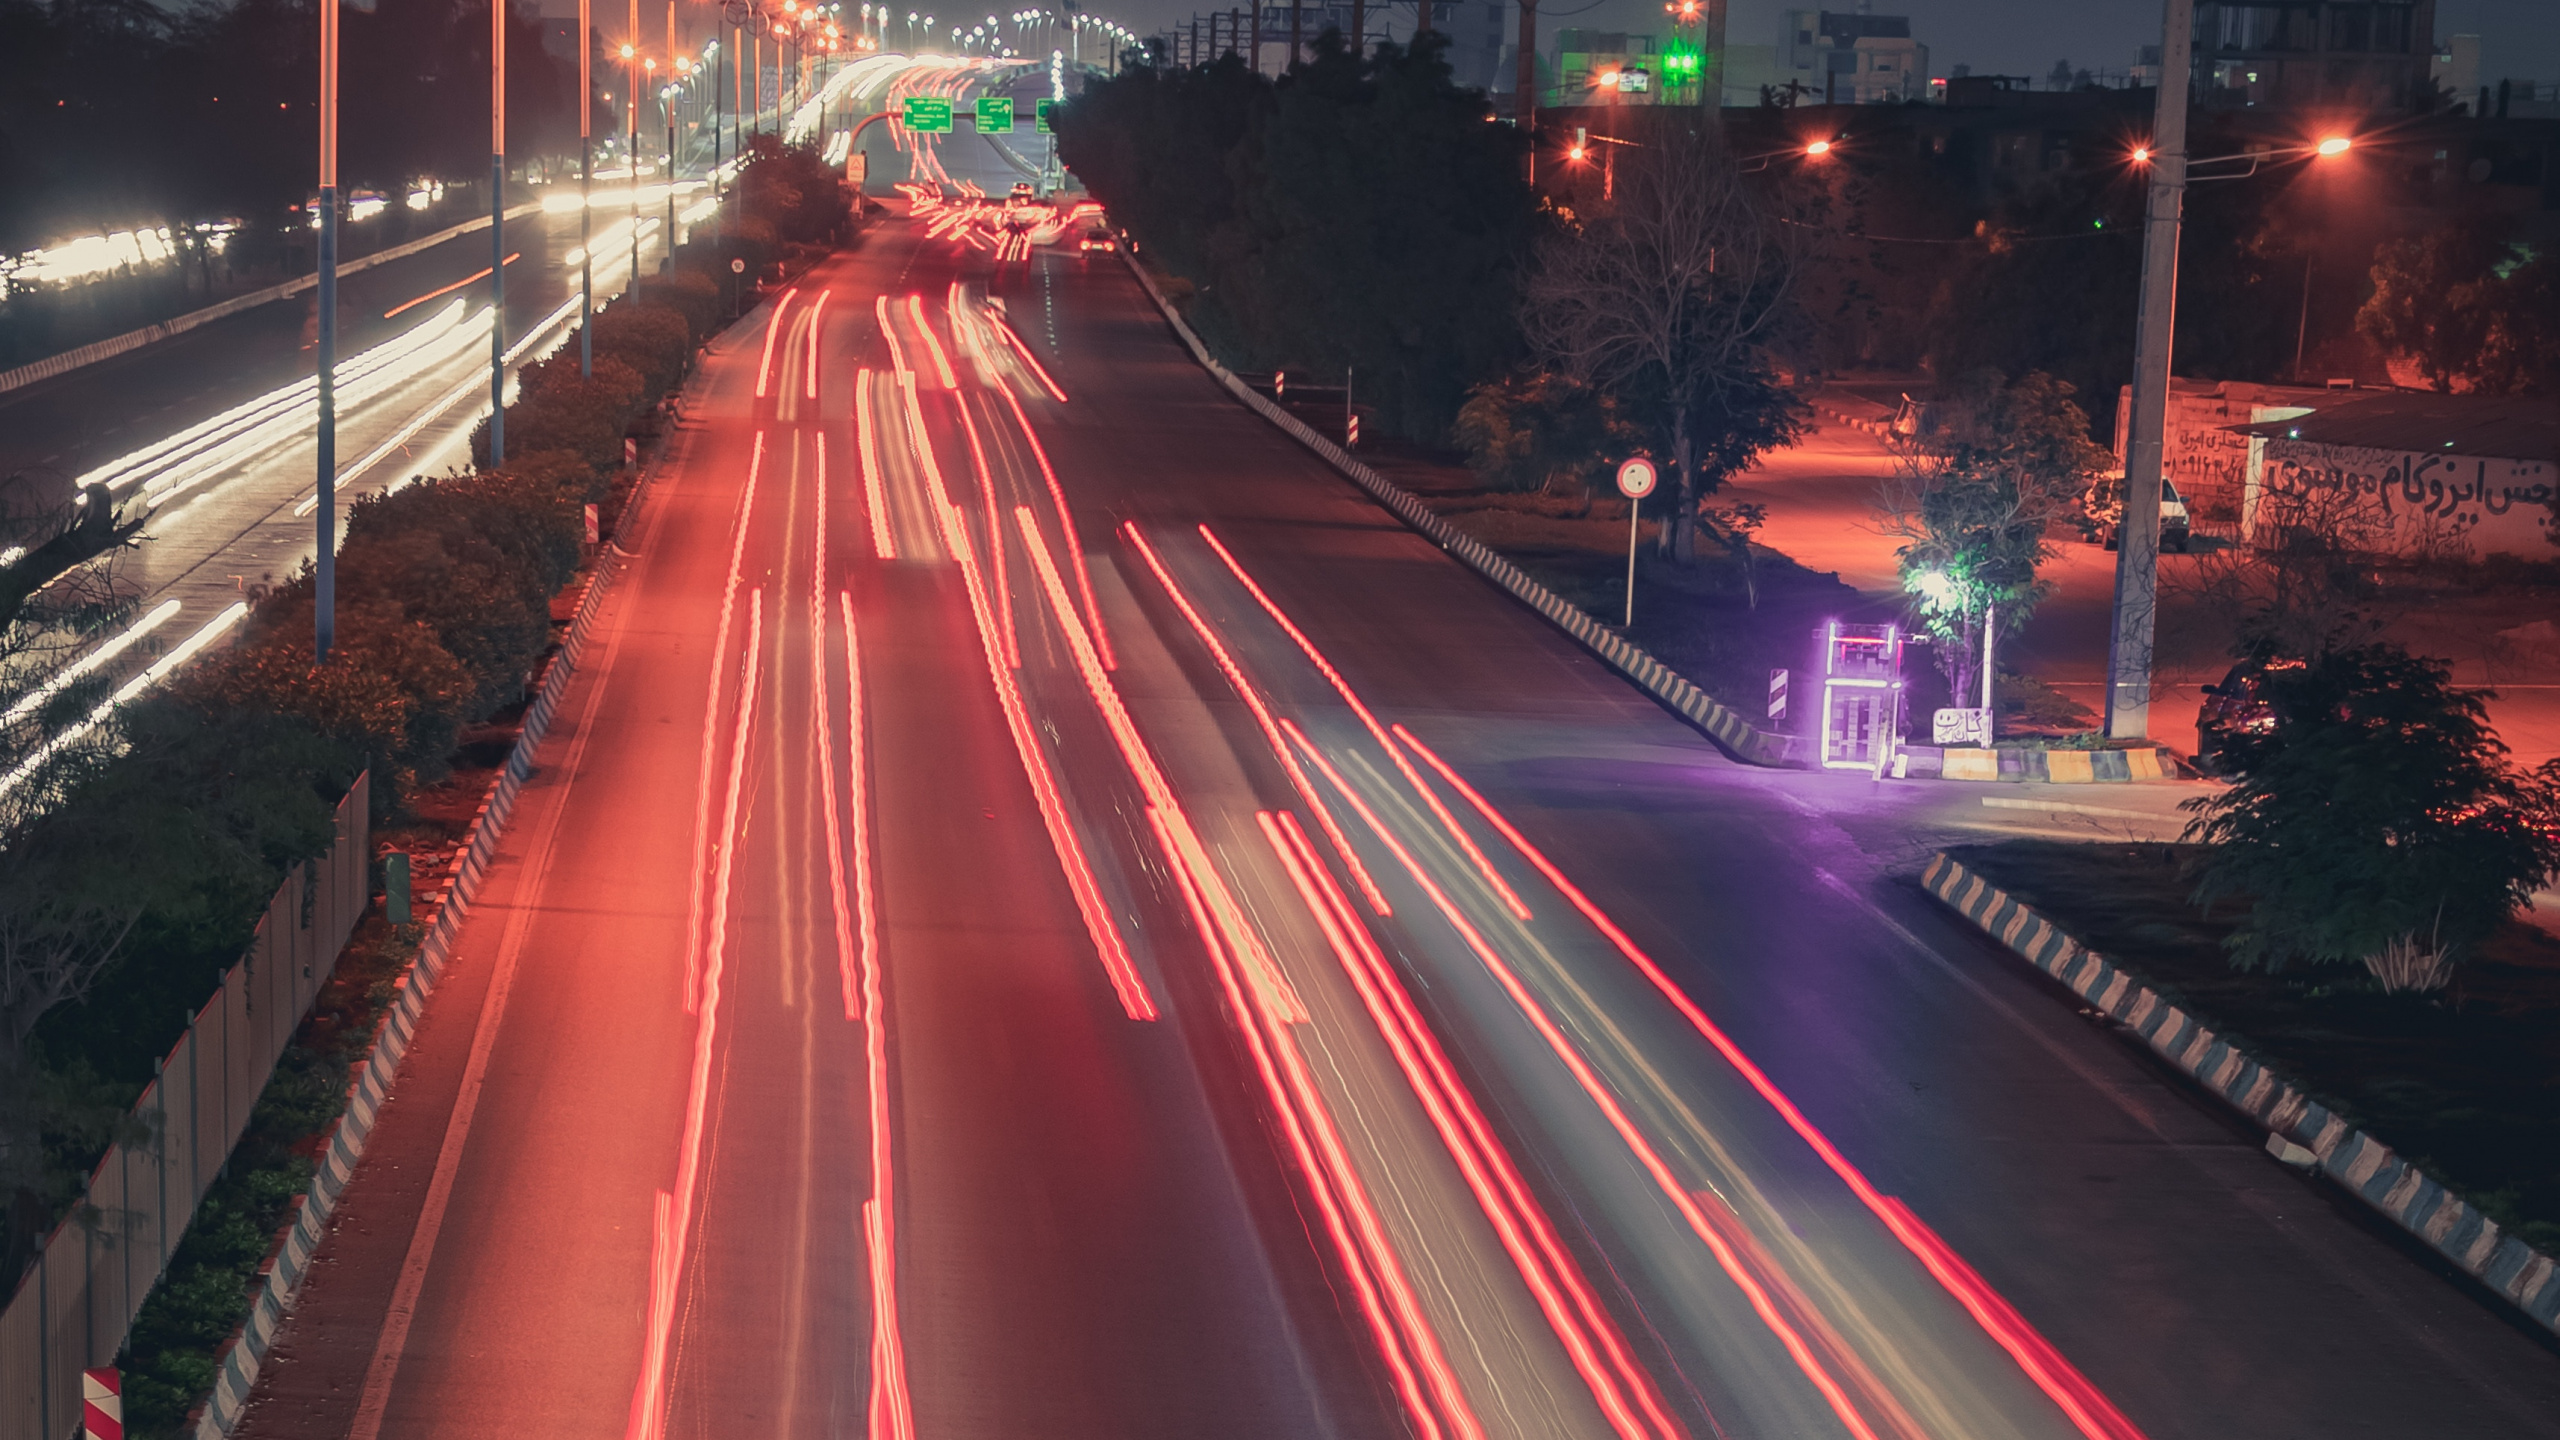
pixel 1818 147
pixel 2334 145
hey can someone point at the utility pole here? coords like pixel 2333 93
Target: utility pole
pixel 2138 542
pixel 631 140
pixel 1524 104
pixel 1711 61
pixel 1298 34
pixel 1359 29
pixel 586 194
pixel 1255 44
pixel 1421 18
pixel 324 575
pixel 497 230
pixel 667 110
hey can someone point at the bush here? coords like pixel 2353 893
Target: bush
pixel 390 690
pixel 653 340
pixel 690 292
pixel 560 409
pixel 2379 809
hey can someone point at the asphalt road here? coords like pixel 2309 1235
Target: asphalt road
pixel 951 973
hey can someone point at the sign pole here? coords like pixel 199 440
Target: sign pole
pixel 1632 507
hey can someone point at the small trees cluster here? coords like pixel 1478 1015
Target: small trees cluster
pixel 1974 502
pixel 2469 308
pixel 2377 822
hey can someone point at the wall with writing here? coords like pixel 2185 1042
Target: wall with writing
pixel 2402 502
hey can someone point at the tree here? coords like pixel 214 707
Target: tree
pixel 1677 297
pixel 2469 308
pixel 1973 502
pixel 2376 821
pixel 1541 431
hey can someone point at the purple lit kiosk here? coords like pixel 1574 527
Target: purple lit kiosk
pixel 1861 710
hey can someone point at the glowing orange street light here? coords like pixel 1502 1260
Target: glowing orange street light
pixel 1818 148
pixel 2334 145
pixel 2141 154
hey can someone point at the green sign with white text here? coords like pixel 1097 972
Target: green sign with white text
pixel 1040 115
pixel 995 114
pixel 927 115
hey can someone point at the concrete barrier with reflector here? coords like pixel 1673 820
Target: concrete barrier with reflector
pixel 101 1404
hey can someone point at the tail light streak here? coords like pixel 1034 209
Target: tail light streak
pixel 1262 716
pixel 815 311
pixel 1005 328
pixel 711 730
pixel 1420 1373
pixel 1620 1386
pixel 889 333
pixel 995 535
pixel 666 1271
pixel 1117 967
pixel 2087 1407
pixel 875 494
pixel 1681 1198
pixel 1067 529
pixel 1466 843
pixel 932 345
pixel 772 328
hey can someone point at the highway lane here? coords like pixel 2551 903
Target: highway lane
pixel 2141 1234
pixel 788 791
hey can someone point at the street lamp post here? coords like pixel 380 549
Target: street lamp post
pixel 324 574
pixel 497 231
pixel 2138 531
pixel 586 194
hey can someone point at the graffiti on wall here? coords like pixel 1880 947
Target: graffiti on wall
pixel 2397 500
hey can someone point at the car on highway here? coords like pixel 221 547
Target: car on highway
pixel 1022 193
pixel 1093 241
pixel 2104 510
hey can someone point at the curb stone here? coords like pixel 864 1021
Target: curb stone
pixel 2405 1195
pixel 238 1377
pixel 1722 724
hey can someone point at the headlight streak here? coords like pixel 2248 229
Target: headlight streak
pixel 62 740
pixel 666 1270
pixel 281 408
pixel 2087 1407
pixel 1466 843
pixel 1681 1198
pixel 875 494
pixel 1005 328
pixel 1621 1387
pixel 710 728
pixel 63 678
pixel 1262 717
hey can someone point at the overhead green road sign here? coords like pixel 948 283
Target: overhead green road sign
pixel 1040 115
pixel 927 115
pixel 995 114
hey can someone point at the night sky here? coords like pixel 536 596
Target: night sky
pixel 2520 38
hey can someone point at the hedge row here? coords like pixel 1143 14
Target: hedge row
pixel 444 587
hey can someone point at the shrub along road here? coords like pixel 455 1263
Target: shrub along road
pixel 1242 1216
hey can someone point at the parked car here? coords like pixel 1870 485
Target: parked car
pixel 2104 505
pixel 2236 708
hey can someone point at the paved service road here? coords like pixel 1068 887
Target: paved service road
pixel 1051 914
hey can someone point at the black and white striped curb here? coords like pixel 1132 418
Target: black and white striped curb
pixel 1738 737
pixel 2405 1195
pixel 239 1374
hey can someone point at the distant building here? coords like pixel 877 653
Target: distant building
pixel 1859 58
pixel 2352 54
pixel 1606 67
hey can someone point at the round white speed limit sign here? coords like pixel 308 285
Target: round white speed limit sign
pixel 1635 478
pixel 737 267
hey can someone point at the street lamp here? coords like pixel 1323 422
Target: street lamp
pixel 497 228
pixel 324 574
pixel 586 196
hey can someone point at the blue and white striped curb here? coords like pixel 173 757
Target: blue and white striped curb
pixel 2405 1195
pixel 1738 737
pixel 239 1374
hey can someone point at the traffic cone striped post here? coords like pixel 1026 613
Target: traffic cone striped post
pixel 101 1404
